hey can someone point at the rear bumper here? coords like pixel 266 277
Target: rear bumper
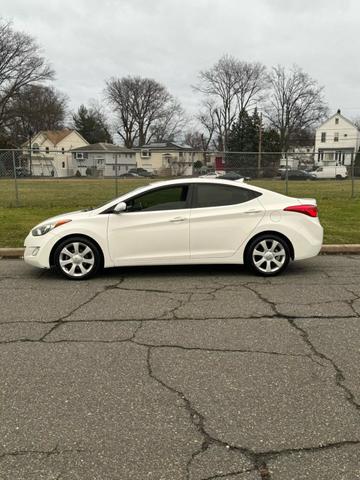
pixel 307 242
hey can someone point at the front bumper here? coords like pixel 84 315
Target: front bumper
pixel 38 249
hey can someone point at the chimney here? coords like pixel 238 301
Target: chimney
pixel 339 111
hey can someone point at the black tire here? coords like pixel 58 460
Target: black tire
pixel 281 255
pixel 339 177
pixel 87 263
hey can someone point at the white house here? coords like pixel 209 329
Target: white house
pixel 102 160
pixel 50 152
pixel 337 141
pixel 298 157
pixel 167 158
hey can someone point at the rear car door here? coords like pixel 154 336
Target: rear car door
pixel 222 218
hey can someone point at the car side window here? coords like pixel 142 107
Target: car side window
pixel 211 195
pixel 170 198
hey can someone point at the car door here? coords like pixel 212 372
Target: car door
pixel 221 219
pixel 153 229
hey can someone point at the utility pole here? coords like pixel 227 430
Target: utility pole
pixel 352 176
pixel 30 159
pixel 260 145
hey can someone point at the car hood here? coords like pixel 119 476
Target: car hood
pixel 67 216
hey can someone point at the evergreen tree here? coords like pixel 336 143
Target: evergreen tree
pixel 92 125
pixel 244 142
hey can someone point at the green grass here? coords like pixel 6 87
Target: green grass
pixel 44 198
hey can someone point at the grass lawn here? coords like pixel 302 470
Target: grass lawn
pixel 44 198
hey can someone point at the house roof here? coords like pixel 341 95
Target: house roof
pixel 102 147
pixel 165 146
pixel 55 136
pixel 339 114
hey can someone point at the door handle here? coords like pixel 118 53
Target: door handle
pixel 177 220
pixel 253 211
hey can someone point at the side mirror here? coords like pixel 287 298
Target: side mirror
pixel 120 207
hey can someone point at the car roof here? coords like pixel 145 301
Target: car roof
pixel 215 181
pixel 191 180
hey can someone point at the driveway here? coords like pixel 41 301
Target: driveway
pixel 181 373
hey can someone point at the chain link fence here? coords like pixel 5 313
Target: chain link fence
pixel 32 177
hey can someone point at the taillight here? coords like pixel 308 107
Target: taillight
pixel 310 210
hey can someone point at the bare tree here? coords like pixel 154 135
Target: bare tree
pixel 210 119
pixel 145 108
pixel 233 86
pixel 21 64
pixel 356 121
pixel 194 139
pixel 34 108
pixel 296 102
pixel 170 126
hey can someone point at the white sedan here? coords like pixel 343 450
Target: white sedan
pixel 186 221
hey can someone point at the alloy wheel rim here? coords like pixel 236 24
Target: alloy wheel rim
pixel 269 256
pixel 76 259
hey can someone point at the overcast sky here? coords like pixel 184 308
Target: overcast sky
pixel 89 41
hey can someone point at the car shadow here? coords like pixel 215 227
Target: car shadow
pixel 151 271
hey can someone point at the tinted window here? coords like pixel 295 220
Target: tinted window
pixel 171 198
pixel 208 195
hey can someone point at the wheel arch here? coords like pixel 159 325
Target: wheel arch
pixel 270 232
pixel 72 235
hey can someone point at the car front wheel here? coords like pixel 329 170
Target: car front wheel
pixel 268 255
pixel 77 258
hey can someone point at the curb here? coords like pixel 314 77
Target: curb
pixel 339 249
pixel 11 252
pixel 342 249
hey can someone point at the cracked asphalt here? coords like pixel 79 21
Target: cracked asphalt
pixel 171 373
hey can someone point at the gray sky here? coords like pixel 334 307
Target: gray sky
pixel 88 41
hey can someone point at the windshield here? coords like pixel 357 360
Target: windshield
pixel 88 209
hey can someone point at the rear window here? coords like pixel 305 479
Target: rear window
pixel 210 195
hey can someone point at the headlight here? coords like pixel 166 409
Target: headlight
pixel 42 229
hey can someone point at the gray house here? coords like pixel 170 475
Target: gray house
pixel 102 160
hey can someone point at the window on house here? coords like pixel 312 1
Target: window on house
pixel 63 164
pixel 336 121
pixel 145 153
pixel 336 136
pixel 35 148
pixel 323 136
pixel 47 149
pixel 63 150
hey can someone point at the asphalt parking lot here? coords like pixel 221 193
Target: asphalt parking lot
pixel 181 373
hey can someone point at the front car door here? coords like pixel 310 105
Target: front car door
pixel 154 228
pixel 222 218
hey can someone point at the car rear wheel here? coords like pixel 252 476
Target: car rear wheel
pixel 268 255
pixel 77 258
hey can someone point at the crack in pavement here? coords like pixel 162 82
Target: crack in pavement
pixel 47 453
pixel 231 474
pixel 221 350
pixel 64 317
pixel 258 459
pixel 339 375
